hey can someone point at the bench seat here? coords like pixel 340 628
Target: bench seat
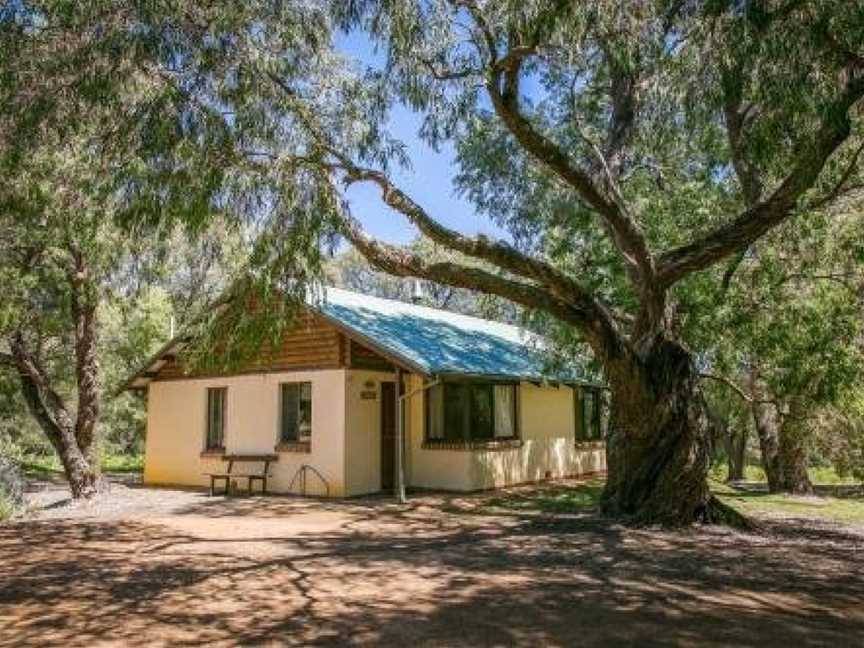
pixel 249 476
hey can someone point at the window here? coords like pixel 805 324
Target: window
pixel 588 405
pixel 471 412
pixel 295 407
pixel 216 397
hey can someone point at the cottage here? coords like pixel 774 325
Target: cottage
pixel 477 410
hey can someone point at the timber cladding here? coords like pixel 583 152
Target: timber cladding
pixel 362 357
pixel 311 344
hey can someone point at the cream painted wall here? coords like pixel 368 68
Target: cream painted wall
pixel 176 411
pixel 346 435
pixel 548 449
pixel 363 431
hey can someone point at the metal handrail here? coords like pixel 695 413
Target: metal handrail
pixel 301 473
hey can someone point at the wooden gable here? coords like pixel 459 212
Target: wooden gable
pixel 312 343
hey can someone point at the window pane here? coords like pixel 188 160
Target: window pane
pixel 305 414
pixel 215 417
pixel 589 414
pixel 436 412
pixel 290 409
pixel 455 412
pixel 482 414
pixel 505 411
pixel 578 419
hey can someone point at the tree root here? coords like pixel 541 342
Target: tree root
pixel 718 512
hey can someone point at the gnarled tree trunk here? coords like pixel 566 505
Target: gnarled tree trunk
pixel 658 447
pixel 75 444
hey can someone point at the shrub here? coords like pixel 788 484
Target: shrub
pixel 11 487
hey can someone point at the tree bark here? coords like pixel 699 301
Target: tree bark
pixel 736 450
pixel 784 452
pixel 792 455
pixel 78 453
pixel 658 448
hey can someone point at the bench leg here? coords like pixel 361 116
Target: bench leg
pixel 252 481
pixel 212 488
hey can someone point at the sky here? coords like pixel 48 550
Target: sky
pixel 429 182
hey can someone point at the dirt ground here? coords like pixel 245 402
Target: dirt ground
pixel 167 567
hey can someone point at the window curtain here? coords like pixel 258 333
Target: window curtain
pixel 305 417
pixel 436 412
pixel 505 411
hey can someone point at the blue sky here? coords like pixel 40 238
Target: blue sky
pixel 429 182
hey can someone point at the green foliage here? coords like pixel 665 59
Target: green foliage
pixel 352 271
pixel 48 466
pixel 237 111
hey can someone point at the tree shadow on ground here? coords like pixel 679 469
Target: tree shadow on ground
pixel 286 571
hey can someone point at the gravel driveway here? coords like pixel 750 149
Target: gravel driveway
pixel 166 567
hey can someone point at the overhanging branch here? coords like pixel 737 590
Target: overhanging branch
pixel 503 90
pixel 594 322
pixel 555 284
pixel 760 218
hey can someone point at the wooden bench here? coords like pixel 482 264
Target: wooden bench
pixel 249 476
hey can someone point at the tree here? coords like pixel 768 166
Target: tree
pixel 629 147
pixel 731 419
pixel 52 263
pixel 80 135
pixel 789 335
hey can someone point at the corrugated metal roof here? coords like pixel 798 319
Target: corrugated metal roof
pixel 423 340
pixel 441 342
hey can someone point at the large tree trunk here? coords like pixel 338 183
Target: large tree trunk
pixel 736 452
pixel 658 446
pixel 784 452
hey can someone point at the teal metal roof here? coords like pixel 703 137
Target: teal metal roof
pixel 439 342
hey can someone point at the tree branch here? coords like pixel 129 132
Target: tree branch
pixel 498 253
pixel 735 115
pixel 758 219
pixel 45 404
pixel 838 189
pixel 749 398
pixel 586 314
pixel 502 86
pixel 626 236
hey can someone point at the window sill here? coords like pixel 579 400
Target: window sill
pixel 294 446
pixel 501 444
pixel 213 453
pixel 590 444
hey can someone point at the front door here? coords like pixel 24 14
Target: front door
pixel 388 434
